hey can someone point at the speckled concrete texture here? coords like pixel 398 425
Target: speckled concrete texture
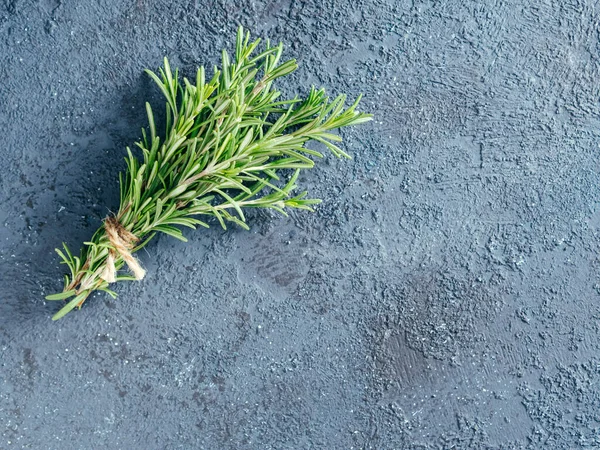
pixel 445 295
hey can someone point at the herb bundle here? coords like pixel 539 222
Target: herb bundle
pixel 228 143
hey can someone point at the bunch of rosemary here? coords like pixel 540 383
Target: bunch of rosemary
pixel 226 144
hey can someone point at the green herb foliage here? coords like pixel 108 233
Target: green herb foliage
pixel 228 144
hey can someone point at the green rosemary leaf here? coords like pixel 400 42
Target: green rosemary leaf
pixel 160 84
pixel 171 231
pixel 151 122
pixel 110 292
pixel 69 306
pixel 185 221
pixel 61 295
pixel 231 203
pixel 126 278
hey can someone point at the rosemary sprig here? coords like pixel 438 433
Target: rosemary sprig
pixel 226 143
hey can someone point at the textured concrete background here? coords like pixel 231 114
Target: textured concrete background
pixel 446 294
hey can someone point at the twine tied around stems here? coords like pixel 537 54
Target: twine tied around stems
pixel 123 242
